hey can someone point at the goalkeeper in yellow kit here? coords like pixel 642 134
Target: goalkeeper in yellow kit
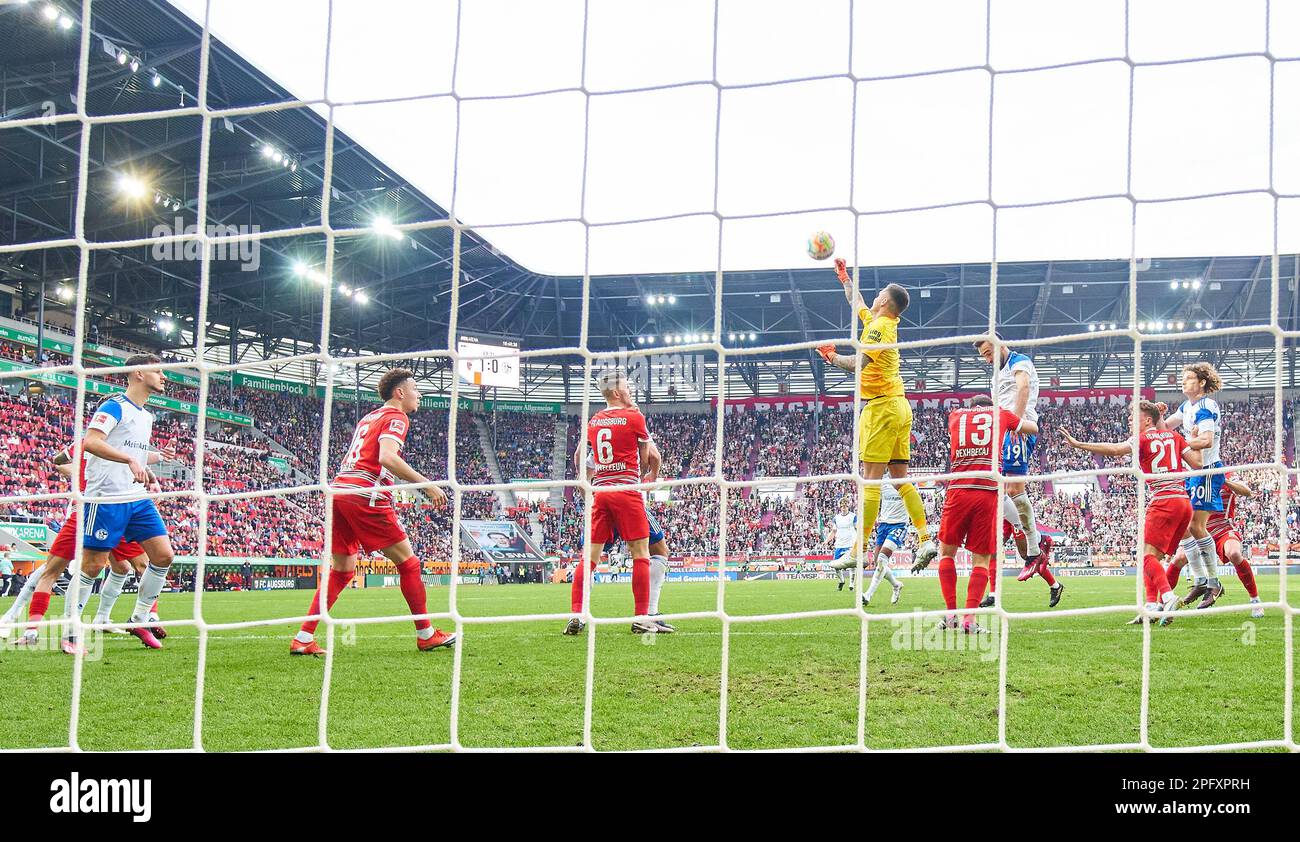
pixel 885 425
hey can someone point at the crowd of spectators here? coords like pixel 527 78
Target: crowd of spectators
pixel 783 439
pixel 19 353
pixel 1100 517
pixel 525 442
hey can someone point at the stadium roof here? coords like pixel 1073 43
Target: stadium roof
pixel 274 309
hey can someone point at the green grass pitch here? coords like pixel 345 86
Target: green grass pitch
pixel 1070 680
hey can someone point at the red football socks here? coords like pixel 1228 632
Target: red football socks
pixel 1046 573
pixel 1155 577
pixel 1172 572
pixel 948 581
pixel 338 580
pixel 1247 577
pixel 979 578
pixel 579 585
pixel 413 589
pixel 641 586
pixel 37 607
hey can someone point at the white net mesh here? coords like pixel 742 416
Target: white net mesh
pixel 464 624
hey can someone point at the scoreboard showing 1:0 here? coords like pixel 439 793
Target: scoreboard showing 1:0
pixel 488 361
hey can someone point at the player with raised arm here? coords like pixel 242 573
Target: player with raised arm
pixel 1200 420
pixel 365 519
pixel 885 425
pixel 624 454
pixel 1227 545
pixel 1017 391
pixel 1169 510
pixel 844 536
pixel 970 508
pixel 117 449
pixel 891 535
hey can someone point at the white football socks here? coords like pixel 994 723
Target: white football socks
pixel 1210 558
pixel 1009 511
pixel 24 595
pixel 658 575
pixel 151 584
pixel 1028 522
pixel 882 571
pixel 1194 563
pixel 108 595
pixel 85 584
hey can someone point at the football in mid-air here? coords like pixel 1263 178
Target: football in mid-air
pixel 821 246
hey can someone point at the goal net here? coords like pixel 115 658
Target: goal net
pixel 1002 216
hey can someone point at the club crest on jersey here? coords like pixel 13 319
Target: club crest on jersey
pixel 101 534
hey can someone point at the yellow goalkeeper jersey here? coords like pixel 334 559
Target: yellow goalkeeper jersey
pixel 880 376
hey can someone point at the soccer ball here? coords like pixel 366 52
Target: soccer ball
pixel 821 246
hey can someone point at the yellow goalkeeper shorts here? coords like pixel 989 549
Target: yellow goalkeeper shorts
pixel 885 430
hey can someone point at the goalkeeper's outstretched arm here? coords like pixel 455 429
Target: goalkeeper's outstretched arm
pixel 845 362
pixel 850 291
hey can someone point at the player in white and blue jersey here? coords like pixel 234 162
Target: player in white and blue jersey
pixel 1200 419
pixel 117 448
pixel 891 534
pixel 844 536
pixel 1017 392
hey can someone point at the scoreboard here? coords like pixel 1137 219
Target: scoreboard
pixel 488 361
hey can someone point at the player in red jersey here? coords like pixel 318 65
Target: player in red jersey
pixel 125 557
pixel 1169 510
pixel 624 455
pixel 971 515
pixel 1228 545
pixel 365 519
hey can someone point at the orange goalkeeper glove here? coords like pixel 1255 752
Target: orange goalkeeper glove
pixel 842 271
pixel 827 353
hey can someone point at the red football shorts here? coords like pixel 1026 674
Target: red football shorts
pixel 65 544
pixel 1221 540
pixel 1166 523
pixel 361 526
pixel 971 517
pixel 618 510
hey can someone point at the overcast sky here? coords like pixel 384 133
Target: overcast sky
pixel 796 147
